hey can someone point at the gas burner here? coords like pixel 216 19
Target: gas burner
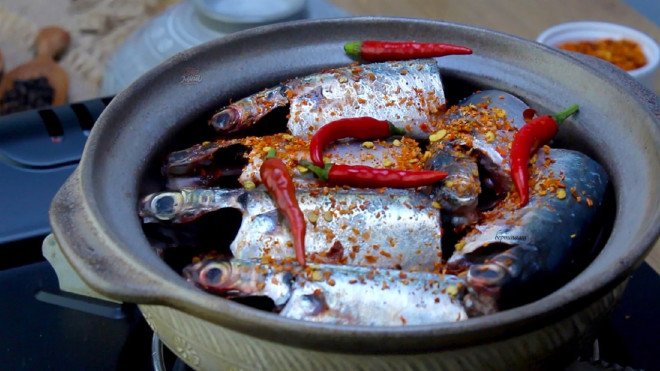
pixel 163 359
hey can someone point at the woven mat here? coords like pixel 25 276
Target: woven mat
pixel 97 27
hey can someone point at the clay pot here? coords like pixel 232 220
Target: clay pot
pixel 94 215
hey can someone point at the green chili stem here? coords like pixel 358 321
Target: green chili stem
pixel 321 172
pixel 396 131
pixel 563 115
pixel 353 49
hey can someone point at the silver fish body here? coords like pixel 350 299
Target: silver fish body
pixel 338 294
pixel 512 252
pixel 378 298
pixel 406 93
pixel 391 229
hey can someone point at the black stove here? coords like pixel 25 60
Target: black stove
pixel 43 328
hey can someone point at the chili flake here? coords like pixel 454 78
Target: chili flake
pixel 625 54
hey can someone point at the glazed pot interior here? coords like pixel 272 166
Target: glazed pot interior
pixel 164 111
pixel 215 231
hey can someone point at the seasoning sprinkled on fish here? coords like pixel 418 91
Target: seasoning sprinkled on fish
pixel 203 164
pixel 373 256
pixel 345 226
pixel 472 147
pixel 338 294
pixel 409 94
pixel 484 123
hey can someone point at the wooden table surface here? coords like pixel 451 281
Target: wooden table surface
pixel 524 18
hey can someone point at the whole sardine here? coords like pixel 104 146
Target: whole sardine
pixel 338 294
pixel 202 164
pixel 408 93
pixel 514 248
pixel 391 229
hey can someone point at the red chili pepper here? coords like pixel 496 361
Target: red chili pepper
pixel 527 140
pixel 275 176
pixel 356 127
pixel 360 176
pixel 379 51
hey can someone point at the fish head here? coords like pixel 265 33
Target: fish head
pixel 226 121
pixel 216 275
pixel 502 279
pixel 185 161
pixel 237 278
pixel 459 194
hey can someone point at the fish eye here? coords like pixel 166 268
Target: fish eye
pixel 487 274
pixel 164 205
pixel 213 275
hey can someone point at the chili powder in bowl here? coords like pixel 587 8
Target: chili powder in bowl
pixel 627 48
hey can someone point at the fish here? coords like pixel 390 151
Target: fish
pixel 203 164
pixel 491 146
pixel 337 294
pixel 363 227
pixel 513 250
pixel 473 150
pixel 458 195
pixel 409 94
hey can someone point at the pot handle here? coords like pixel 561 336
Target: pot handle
pixel 102 267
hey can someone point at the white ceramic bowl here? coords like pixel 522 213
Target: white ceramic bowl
pixel 580 31
pixel 250 12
